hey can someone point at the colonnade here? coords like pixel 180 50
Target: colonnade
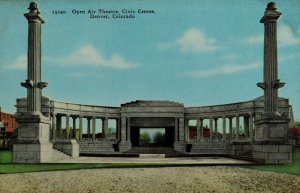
pixel 70 132
pixel 227 132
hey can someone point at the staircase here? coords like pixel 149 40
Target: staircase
pixel 57 155
pixel 168 151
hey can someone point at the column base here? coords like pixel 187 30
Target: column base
pixel 180 146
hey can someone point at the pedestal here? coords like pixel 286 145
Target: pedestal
pixel 33 144
pixel 124 146
pixel 271 145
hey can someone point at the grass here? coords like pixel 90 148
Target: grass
pixel 293 168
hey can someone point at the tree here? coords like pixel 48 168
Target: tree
pixel 145 138
pixel 159 138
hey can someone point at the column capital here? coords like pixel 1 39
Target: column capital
pixel 271 14
pixel 34 15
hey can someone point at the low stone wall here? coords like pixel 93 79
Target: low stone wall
pixel 69 147
pixel 97 147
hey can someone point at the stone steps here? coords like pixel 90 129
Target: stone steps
pixel 152 150
pixel 57 155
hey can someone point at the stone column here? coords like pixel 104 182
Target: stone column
pixel 181 129
pixel 198 129
pixel 186 129
pixel 237 123
pixel 74 127
pixel 80 128
pixel 53 126
pixel 93 128
pixel 89 127
pixel 58 127
pixel 224 128
pixel 271 82
pixel 128 130
pixel 105 127
pixel 67 127
pixel 211 129
pixel 123 129
pixel 118 126
pixel 251 126
pixel 246 126
pixel 176 129
pixel 230 128
pixel 216 129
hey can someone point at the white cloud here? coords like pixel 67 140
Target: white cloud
pixel 19 64
pixel 286 37
pixel 222 70
pixel 192 41
pixel 88 55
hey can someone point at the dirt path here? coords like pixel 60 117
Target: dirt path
pixel 216 179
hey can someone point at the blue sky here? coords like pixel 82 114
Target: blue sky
pixel 195 52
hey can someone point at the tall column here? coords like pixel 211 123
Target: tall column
pixel 176 129
pixel 224 128
pixel 211 129
pixel 201 130
pixel 251 126
pixel 58 127
pixel 80 127
pixel 33 82
pixel 123 129
pixel 198 129
pixel 237 128
pixel 181 129
pixel 186 129
pixel 105 127
pixel 53 126
pixel 216 129
pixel 128 129
pixel 271 82
pixel 94 128
pixel 67 127
pixel 89 127
pixel 230 127
pixel 246 126
pixel 74 127
pixel 118 126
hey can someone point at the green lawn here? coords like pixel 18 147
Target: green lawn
pixel 293 168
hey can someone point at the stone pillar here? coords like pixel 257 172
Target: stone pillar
pixel 251 126
pixel 176 129
pixel 105 127
pixel 93 128
pixel 224 128
pixel 271 143
pixel 216 129
pixel 186 129
pixel 67 127
pixel 246 126
pixel 123 129
pixel 125 143
pixel 237 127
pixel 198 129
pixel 53 126
pixel 80 128
pixel 211 129
pixel 181 129
pixel 74 127
pixel 230 128
pixel 33 143
pixel 201 130
pixel 118 126
pixel 89 127
pixel 58 127
pixel 128 130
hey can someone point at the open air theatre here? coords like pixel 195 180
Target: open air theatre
pixel 263 135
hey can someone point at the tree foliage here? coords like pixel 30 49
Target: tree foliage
pixel 145 138
pixel 159 138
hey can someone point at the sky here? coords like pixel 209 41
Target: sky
pixel 198 53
